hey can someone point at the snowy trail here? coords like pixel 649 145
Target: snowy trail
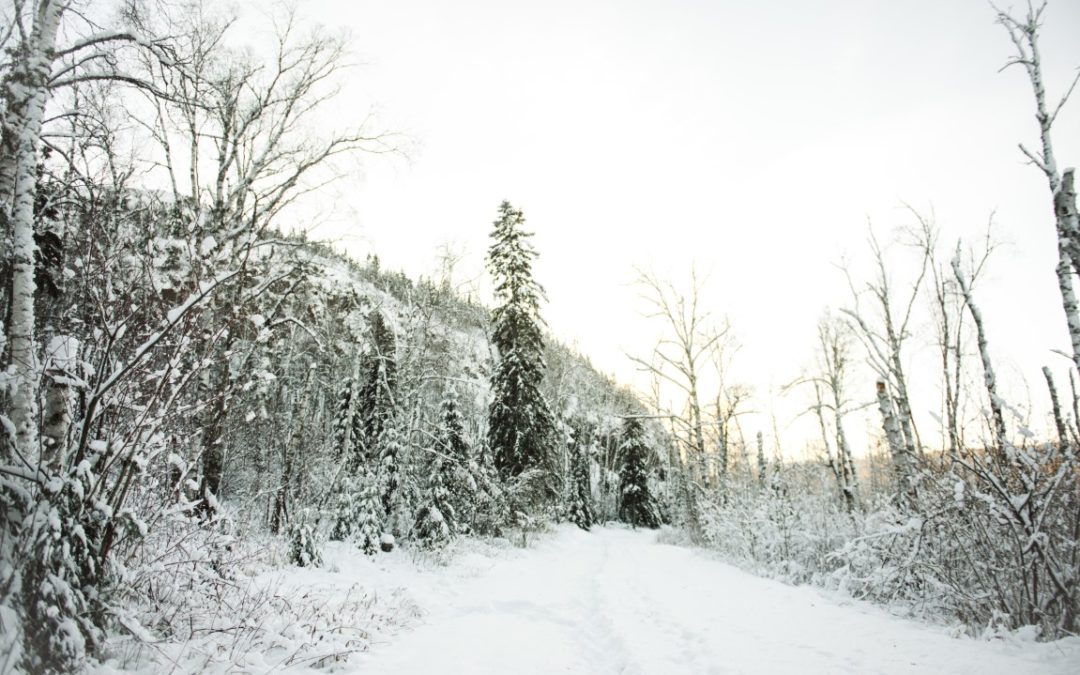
pixel 615 601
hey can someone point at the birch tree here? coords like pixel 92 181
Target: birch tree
pixel 997 416
pixel 950 318
pixel 884 330
pixel 38 66
pixel 680 357
pixel 1024 33
pixel 832 404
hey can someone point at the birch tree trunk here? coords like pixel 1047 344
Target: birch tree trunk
pixel 849 483
pixel 1055 407
pixel 989 379
pixel 900 459
pixel 27 90
pixel 61 360
pixel 1025 37
pixel 762 466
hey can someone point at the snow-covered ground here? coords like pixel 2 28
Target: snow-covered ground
pixel 611 601
pixel 616 601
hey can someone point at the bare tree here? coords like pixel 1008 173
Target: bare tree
pixel 989 378
pixel 679 358
pixel 949 305
pixel 885 344
pixel 834 344
pixel 1024 33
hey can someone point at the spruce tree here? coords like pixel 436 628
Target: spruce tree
pixel 637 506
pixel 489 507
pixel 346 434
pixel 376 397
pixel 458 475
pixel 347 507
pixel 304 546
pixel 520 424
pixel 390 474
pixel 581 512
pixel 346 430
pixel 435 522
pixel 368 526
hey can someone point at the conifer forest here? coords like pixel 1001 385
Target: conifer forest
pixel 230 444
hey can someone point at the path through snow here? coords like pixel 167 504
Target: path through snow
pixel 616 601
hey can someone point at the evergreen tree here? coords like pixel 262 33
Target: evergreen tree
pixel 489 508
pixel 431 528
pixel 581 511
pixel 436 521
pixel 346 431
pixel 376 403
pixel 456 467
pixel 520 424
pixel 304 547
pixel 389 467
pixel 368 516
pixel 347 508
pixel 396 483
pixel 637 506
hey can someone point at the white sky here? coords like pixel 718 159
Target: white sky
pixel 754 138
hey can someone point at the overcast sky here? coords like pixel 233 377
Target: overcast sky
pixel 752 138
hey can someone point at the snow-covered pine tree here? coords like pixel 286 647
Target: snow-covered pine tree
pixel 375 406
pixel 436 520
pixel 345 429
pixel 520 423
pixel 369 522
pixel 347 506
pixel 304 546
pixel 636 503
pixel 345 435
pixel 395 483
pixel 489 508
pixel 580 511
pixel 460 479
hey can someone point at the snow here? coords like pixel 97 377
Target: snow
pixel 608 601
pixel 616 601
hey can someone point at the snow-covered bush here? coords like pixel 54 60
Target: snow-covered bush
pixel 304 550
pixel 786 528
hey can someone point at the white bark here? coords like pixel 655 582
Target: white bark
pixel 1055 407
pixel 60 372
pixel 989 379
pixel 29 84
pixel 894 438
pixel 762 465
pixel 1025 37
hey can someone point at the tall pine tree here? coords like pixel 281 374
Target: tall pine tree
pixel 368 521
pixel 376 397
pixel 520 424
pixel 460 478
pixel 436 520
pixel 580 511
pixel 637 506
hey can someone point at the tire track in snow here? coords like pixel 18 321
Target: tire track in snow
pixel 609 650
